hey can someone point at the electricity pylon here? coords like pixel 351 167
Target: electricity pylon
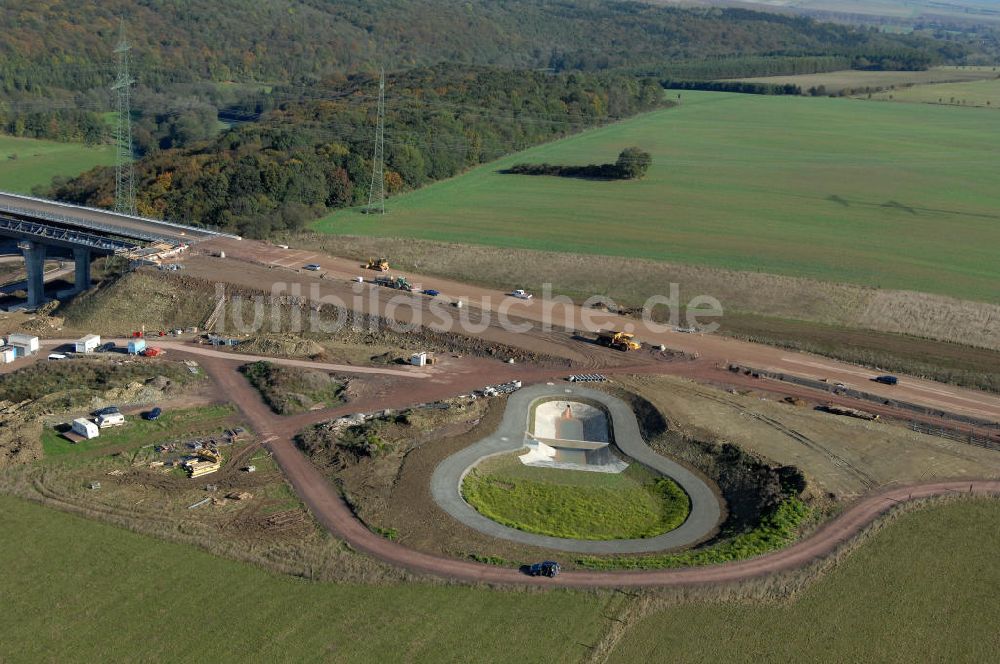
pixel 124 169
pixel 376 192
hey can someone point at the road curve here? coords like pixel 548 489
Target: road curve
pixel 446 482
pixel 330 510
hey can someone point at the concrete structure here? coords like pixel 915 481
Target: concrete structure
pixel 7 354
pixel 136 346
pixel 24 344
pixel 40 225
pixel 571 435
pixel 511 435
pixel 88 344
pixel 85 428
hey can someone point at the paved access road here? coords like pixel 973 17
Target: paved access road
pixel 447 479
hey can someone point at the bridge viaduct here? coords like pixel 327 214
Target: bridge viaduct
pixel 38 225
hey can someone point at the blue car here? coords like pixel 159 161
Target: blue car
pixel 153 414
pixel 432 292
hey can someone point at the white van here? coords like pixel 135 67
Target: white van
pixel 58 356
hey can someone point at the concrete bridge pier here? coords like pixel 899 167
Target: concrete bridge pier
pixel 34 261
pixel 82 280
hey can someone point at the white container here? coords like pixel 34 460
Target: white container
pixel 88 344
pixel 7 354
pixel 85 428
pixel 26 343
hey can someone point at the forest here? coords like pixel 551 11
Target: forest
pixel 305 157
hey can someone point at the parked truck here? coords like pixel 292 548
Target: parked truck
pixel 623 341
pixel 399 283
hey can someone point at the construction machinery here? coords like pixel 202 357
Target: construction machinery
pixel 380 264
pixel 623 341
pixel 399 283
pixel 204 461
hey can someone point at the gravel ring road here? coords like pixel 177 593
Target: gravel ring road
pixel 446 482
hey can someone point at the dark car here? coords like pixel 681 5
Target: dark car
pixel 432 292
pixel 549 568
pixel 314 267
pixel 107 410
pixel 153 414
pixel 106 348
pixel 886 380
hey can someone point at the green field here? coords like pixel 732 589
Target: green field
pixel 38 161
pixel 969 93
pixel 79 591
pixel 575 504
pixel 891 195
pixel 137 432
pixel 925 590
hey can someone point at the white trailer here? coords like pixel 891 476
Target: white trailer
pixel 6 354
pixel 88 344
pixel 85 428
pixel 110 420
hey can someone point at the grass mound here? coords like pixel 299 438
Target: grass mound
pixel 576 504
pixel 289 390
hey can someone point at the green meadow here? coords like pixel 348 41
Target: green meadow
pixel 27 162
pixel 900 196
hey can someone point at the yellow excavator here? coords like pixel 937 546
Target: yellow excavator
pixel 623 341
pixel 379 264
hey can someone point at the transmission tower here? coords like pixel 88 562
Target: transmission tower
pixel 376 192
pixel 124 170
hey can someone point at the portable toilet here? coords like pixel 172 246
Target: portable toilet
pixel 85 428
pixel 418 359
pixel 136 346
pixel 24 344
pixel 88 344
pixel 6 354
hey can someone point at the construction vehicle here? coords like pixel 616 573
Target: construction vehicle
pixel 623 341
pixel 205 461
pixel 399 283
pixel 380 264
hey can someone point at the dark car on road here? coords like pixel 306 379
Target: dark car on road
pixel 549 568
pixel 106 348
pixel 886 380
pixel 154 414
pixel 432 292
pixel 107 410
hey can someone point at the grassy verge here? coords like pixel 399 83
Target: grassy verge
pixel 921 590
pixel 138 432
pixel 132 601
pixel 575 504
pixel 775 531
pixel 289 390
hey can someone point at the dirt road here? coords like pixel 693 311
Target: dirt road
pixel 332 512
pixel 283 267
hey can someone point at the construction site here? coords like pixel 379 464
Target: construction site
pixel 761 429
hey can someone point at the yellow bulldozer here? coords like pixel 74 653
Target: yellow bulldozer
pixel 623 341
pixel 380 264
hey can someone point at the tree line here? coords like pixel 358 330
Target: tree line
pixel 632 164
pixel 305 157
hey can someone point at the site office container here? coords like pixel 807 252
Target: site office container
pixel 88 344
